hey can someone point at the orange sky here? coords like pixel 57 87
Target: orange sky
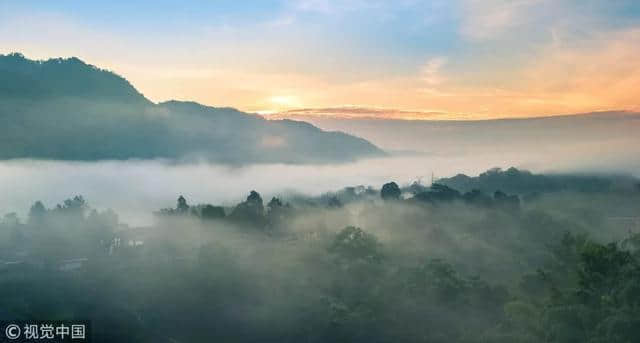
pixel 558 79
pixel 431 59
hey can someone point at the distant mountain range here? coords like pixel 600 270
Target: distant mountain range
pixel 600 129
pixel 69 110
pixel 594 142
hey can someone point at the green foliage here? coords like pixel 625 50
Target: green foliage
pixel 352 243
pixel 593 293
pixel 250 211
pixel 182 206
pixel 452 269
pixel 523 182
pixel 437 193
pixel 212 212
pixel 390 191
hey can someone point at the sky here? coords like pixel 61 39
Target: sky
pixel 404 59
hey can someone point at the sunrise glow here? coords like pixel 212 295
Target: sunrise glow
pixel 462 59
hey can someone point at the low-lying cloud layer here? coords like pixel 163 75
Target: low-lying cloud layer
pixel 134 189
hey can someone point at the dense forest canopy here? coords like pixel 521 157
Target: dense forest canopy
pixel 68 110
pixel 524 182
pixel 409 263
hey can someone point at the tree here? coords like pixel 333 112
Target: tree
pixel 594 293
pixel 353 243
pixel 37 212
pixel 250 210
pixel 254 202
pixel 274 204
pixel 438 192
pixel 182 206
pixel 334 202
pixel 416 187
pixel 390 191
pixel 254 197
pixel 603 270
pixel 212 212
pixel 278 213
pixel 477 197
pixel 75 206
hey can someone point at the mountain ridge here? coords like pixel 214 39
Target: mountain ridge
pixel 70 110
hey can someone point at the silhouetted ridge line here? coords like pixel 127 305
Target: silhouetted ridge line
pixel 70 110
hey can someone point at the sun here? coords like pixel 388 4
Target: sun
pixel 285 101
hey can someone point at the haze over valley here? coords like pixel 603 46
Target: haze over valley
pixel 320 171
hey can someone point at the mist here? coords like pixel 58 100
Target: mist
pixel 587 142
pixel 179 222
pixel 358 264
pixel 135 188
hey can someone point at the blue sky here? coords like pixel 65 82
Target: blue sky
pixel 462 57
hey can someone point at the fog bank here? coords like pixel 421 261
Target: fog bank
pixel 134 189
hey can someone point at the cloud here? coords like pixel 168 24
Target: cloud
pixel 485 19
pixel 430 71
pixel 358 112
pixel 313 5
pixel 515 58
pixel 334 6
pixel 602 73
pixel 282 20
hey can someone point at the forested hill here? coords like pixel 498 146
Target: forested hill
pixel 69 110
pixel 57 77
pixel 523 182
